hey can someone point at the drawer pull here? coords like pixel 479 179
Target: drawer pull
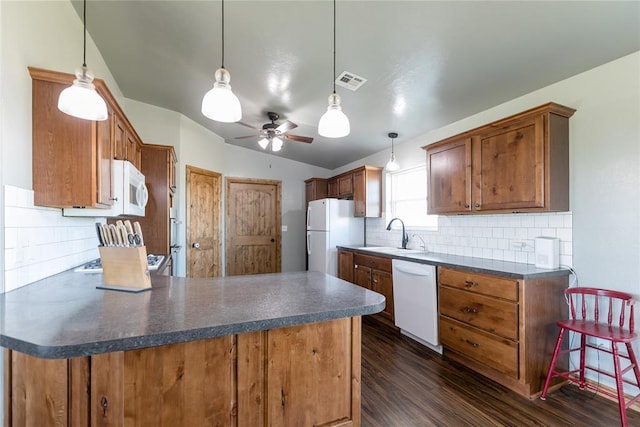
pixel 470 284
pixel 472 344
pixel 470 310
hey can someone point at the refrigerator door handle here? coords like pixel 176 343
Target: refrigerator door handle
pixel 308 217
pixel 308 243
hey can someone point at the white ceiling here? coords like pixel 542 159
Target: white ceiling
pixel 428 63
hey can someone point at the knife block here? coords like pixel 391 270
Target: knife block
pixel 125 268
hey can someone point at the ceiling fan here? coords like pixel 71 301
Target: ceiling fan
pixel 274 134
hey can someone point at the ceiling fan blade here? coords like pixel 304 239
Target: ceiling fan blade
pixel 248 136
pixel 286 126
pixel 299 138
pixel 249 126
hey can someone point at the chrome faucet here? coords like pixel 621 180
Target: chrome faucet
pixel 423 245
pixel 405 236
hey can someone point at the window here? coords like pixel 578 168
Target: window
pixel 407 198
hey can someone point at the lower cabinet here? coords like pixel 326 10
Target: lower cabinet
pixel 374 273
pixel 501 327
pixel 296 376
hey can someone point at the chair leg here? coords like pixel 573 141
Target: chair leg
pixel 552 364
pixel 634 361
pixel 583 348
pixel 619 385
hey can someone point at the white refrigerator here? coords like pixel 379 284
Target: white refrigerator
pixel 330 223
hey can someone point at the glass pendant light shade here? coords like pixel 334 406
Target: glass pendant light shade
pixel 392 165
pixel 276 144
pixel 220 103
pixel 264 142
pixel 334 123
pixel 81 99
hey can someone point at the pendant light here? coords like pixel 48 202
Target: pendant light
pixel 334 123
pixel 220 103
pixel 392 165
pixel 81 99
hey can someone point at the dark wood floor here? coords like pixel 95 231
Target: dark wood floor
pixel 405 384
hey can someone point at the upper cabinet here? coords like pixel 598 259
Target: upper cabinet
pixel 71 157
pixel 518 164
pixel 363 185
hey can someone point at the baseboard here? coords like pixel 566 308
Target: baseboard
pixel 634 407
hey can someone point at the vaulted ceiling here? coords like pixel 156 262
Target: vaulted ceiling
pixel 427 63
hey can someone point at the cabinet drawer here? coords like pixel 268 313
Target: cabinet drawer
pixel 377 263
pixel 490 314
pixel 495 286
pixel 497 353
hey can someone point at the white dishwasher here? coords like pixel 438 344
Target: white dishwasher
pixel 415 296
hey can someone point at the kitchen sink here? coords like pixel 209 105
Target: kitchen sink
pixel 389 249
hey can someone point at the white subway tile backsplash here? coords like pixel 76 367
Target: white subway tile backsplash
pixel 40 242
pixel 485 236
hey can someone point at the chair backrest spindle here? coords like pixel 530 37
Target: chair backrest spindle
pixel 585 297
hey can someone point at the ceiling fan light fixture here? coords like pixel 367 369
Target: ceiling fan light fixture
pixel 81 99
pixel 276 144
pixel 220 103
pixel 392 165
pixel 334 123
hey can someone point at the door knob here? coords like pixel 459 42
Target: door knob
pixel 196 245
pixel 273 240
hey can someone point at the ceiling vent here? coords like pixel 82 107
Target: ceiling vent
pixel 350 81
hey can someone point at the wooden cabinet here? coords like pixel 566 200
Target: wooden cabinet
pixel 345 265
pixel 126 143
pixel 502 327
pixel 158 164
pixel 518 164
pixel 367 191
pixel 315 189
pixel 345 186
pixel 296 376
pixel 332 188
pixel 363 185
pixel 71 157
pixel 374 273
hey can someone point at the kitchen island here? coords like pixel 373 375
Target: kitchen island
pixel 274 349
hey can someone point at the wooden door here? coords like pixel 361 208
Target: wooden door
pixel 204 203
pixel 119 138
pixel 104 158
pixel 362 276
pixel 508 167
pixel 253 226
pixel 449 177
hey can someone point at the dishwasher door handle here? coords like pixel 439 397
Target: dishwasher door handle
pixel 418 270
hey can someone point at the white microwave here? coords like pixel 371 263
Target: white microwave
pixel 130 194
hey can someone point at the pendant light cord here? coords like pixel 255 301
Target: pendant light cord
pixel 222 34
pixel 84 48
pixel 334 46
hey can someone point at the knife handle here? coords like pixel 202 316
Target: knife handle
pixel 137 229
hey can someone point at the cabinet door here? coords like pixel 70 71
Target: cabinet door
pixel 362 276
pixel 104 156
pixel 367 192
pixel 359 194
pixel 345 265
pixel 449 177
pixel 382 283
pixel 119 138
pixel 332 188
pixel 345 186
pixel 509 167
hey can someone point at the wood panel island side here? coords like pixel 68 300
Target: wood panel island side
pixel 262 350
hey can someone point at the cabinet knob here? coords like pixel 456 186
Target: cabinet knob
pixel 466 205
pixel 472 344
pixel 470 284
pixel 477 205
pixel 470 310
pixel 196 245
pixel 104 403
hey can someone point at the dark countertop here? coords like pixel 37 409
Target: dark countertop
pixel 65 316
pixel 513 270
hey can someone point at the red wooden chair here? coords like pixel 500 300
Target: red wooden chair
pixel 587 319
